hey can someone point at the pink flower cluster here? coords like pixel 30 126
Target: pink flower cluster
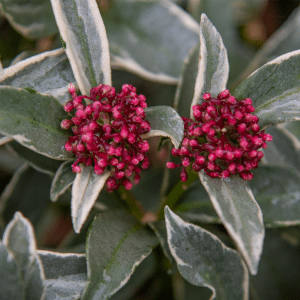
pixel 223 139
pixel 107 133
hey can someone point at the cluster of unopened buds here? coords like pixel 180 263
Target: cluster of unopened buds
pixel 223 140
pixel 107 133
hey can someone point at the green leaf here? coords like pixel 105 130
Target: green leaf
pixel 66 274
pixel 278 274
pixel 63 178
pixel 33 19
pixel 203 260
pixel 187 80
pixel 294 129
pixel 196 206
pixel 239 213
pixel 39 162
pixel 116 245
pixel 19 239
pixel 277 190
pixel 82 29
pixel 282 150
pixel 274 90
pixel 149 38
pixel 10 277
pixel 23 55
pixel 28 192
pixel 85 191
pixel 160 230
pixel 213 66
pixel 33 120
pixel 140 275
pixel 165 121
pixel 48 73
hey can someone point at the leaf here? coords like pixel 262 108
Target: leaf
pixel 196 206
pixel 278 274
pixel 187 80
pixel 32 19
pixel 10 277
pixel 26 118
pixel 85 191
pixel 277 190
pixel 48 73
pixel 63 178
pixel 239 213
pixel 213 66
pixel 283 150
pixel 19 239
pixel 160 230
pixel 164 121
pixel 66 274
pixel 116 245
pixel 39 162
pixel 5 139
pixel 138 278
pixel 203 260
pixel 274 90
pixel 23 55
pixel 27 192
pixel 82 29
pixel 149 38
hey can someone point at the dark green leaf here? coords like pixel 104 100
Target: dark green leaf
pixel 33 120
pixel 28 192
pixel 82 29
pixel 277 190
pixel 239 213
pixel 203 260
pixel 116 244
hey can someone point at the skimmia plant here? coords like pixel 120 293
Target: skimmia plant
pixel 141 209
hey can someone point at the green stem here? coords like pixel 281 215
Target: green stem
pixel 176 193
pixel 134 205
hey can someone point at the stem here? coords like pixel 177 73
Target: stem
pixel 177 192
pixel 134 205
pixel 166 176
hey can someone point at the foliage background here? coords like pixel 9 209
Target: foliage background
pixel 280 264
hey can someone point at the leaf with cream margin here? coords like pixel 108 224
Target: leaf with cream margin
pixel 66 274
pixel 116 244
pixel 203 260
pixel 149 38
pixel 26 118
pixel 235 205
pixel 213 66
pixel 82 29
pixel 48 73
pixel 33 19
pixel 63 178
pixel 10 276
pixel 86 189
pixel 19 239
pixel 274 90
pixel 164 121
